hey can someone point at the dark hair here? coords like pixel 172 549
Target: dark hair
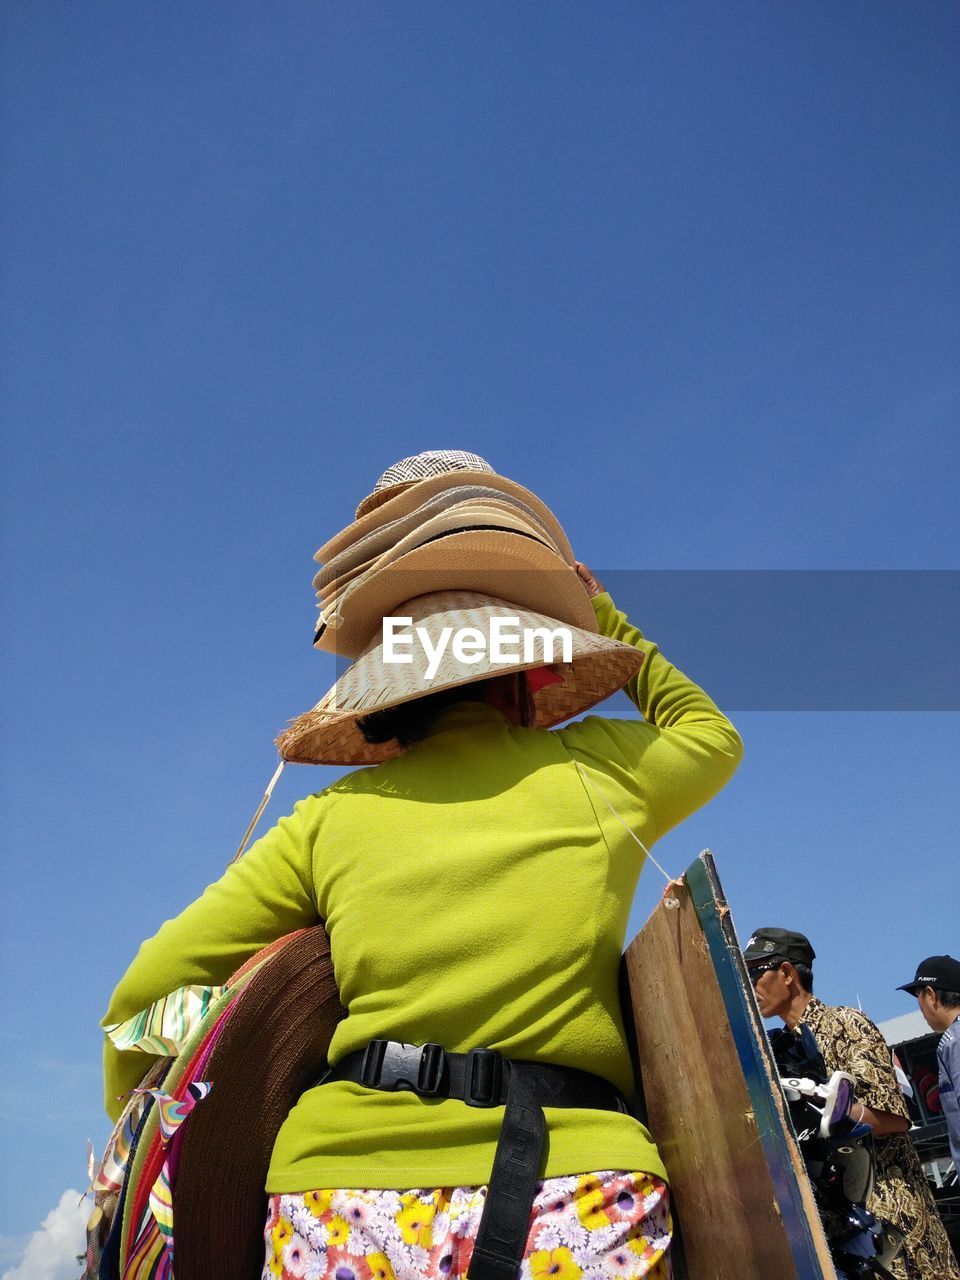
pixel 949 999
pixel 803 971
pixel 411 721
pixel 805 974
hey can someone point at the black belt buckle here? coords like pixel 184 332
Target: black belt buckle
pixel 390 1065
pixel 484 1078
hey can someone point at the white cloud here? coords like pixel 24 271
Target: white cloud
pixel 11 1248
pixel 51 1252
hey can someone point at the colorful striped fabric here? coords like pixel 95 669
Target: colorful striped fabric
pixel 187 1067
pixel 161 1205
pixel 173 1111
pixel 151 1257
pixel 113 1167
pixel 141 1243
pixel 163 1027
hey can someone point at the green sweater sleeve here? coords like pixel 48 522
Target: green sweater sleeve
pixel 684 750
pixel 267 894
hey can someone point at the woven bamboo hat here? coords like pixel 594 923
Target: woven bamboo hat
pixel 329 733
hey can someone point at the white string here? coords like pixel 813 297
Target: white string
pixel 629 830
pixel 260 808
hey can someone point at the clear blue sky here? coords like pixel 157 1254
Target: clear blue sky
pixel 688 270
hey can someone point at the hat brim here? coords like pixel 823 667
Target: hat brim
pixel 329 734
pixel 504 564
pixel 749 958
pixel 400 500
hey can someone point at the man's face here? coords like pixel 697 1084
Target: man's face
pixel 932 1009
pixel 774 993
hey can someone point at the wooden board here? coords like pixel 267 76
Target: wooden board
pixel 715 1109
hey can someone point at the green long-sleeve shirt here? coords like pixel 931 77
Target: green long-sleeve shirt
pixel 476 892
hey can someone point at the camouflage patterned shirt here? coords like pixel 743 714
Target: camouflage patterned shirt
pixel 850 1042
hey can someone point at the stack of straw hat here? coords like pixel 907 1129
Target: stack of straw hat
pixel 447 542
pixel 438 521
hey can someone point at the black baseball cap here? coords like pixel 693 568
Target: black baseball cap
pixel 794 947
pixel 940 972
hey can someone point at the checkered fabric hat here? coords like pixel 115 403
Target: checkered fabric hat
pixel 421 466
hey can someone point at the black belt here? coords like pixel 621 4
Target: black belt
pixel 485 1078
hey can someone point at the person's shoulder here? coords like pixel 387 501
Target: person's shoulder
pixel 596 724
pixel 817 1008
pixel 857 1017
pixel 840 1014
pixel 593 732
pixel 352 783
pixel 815 1012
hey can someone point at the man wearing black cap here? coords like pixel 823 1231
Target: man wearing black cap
pixel 780 964
pixel 937 988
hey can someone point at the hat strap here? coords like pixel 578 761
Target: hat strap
pixel 671 880
pixel 257 816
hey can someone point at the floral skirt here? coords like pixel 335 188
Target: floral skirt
pixel 594 1226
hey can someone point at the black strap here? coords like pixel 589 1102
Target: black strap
pixel 484 1078
pixel 505 1221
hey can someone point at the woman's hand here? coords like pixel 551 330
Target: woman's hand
pixel 589 581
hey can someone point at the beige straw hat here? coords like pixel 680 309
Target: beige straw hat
pixel 398 500
pixel 463 516
pixel 464 498
pixel 329 734
pixel 507 565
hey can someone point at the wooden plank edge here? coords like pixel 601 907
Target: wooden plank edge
pixel 795 1200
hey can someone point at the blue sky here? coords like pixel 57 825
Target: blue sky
pixel 689 271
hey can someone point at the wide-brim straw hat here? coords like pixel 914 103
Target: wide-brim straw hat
pixel 272 1046
pixel 400 500
pixel 503 563
pixel 329 734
